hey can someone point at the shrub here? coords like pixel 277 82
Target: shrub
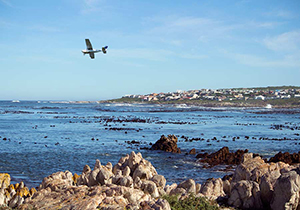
pixel 191 202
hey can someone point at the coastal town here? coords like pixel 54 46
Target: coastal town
pixel 266 93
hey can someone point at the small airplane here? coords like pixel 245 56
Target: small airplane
pixel 89 49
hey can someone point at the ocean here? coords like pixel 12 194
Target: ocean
pixel 38 138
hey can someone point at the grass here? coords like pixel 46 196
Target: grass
pixel 191 202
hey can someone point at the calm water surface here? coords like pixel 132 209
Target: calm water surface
pixel 40 138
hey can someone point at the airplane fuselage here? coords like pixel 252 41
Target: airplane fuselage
pixel 90 51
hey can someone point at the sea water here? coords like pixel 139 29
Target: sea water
pixel 38 138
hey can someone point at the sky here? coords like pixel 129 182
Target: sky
pixel 154 46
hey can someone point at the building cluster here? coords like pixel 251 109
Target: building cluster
pixel 221 94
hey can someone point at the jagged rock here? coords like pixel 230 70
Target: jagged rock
pixel 178 191
pixel 246 195
pixel 145 170
pixel 134 160
pixel 57 180
pixel 198 188
pixel 168 144
pixel 150 187
pixel 169 188
pixel 287 191
pixel 189 185
pixel 2 197
pixel 222 156
pixel 161 204
pixel 213 188
pixel 246 157
pixel 126 181
pixel 226 187
pixel 192 151
pixel 104 176
pixel 254 169
pixel 16 201
pixel 70 197
pixel 92 178
pixel 126 171
pixel 4 180
pixel 286 158
pixel 159 180
pixel 266 186
pixel 84 177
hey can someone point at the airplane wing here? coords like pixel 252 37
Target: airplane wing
pixel 88 44
pixel 92 55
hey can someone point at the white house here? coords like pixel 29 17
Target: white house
pixel 260 97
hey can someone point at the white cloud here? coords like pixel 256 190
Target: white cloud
pixel 286 61
pixel 287 42
pixel 280 14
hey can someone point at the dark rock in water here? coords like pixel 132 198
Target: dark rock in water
pixel 193 151
pixel 286 158
pixel 168 144
pixel 223 156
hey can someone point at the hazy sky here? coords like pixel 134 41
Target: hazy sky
pixel 154 46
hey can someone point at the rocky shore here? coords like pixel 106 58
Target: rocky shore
pixel 133 183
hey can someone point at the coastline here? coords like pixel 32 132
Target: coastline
pixel 133 183
pixel 275 103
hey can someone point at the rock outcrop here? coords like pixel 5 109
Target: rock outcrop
pixel 222 156
pixel 286 158
pixel 260 185
pixel 133 183
pixel 168 144
pixel 13 195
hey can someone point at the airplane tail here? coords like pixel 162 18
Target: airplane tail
pixel 104 49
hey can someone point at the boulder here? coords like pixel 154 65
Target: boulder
pixel 57 180
pixel 159 180
pixel 189 185
pixel 253 169
pixel 145 170
pixel 245 195
pixel 222 156
pixel 192 151
pixel 213 188
pixel 16 201
pixel 4 180
pixel 83 179
pixel 2 197
pixel 104 176
pixel 286 158
pixel 150 187
pixel 168 144
pixel 161 204
pixel 169 188
pixel 287 191
pixel 266 186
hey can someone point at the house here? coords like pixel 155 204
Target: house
pixel 260 97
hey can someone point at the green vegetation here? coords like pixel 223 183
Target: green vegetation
pixel 276 103
pixel 124 100
pixel 191 202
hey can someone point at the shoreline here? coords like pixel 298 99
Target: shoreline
pixel 133 182
pixel 290 104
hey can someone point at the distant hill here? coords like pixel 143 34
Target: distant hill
pixel 276 96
